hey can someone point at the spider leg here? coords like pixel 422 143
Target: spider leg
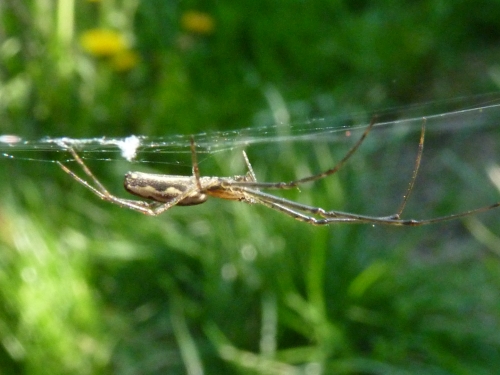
pixel 147 208
pixel 295 183
pixel 139 206
pixel 440 219
pixel 196 169
pixel 87 171
pixel 300 216
pixel 297 210
pixel 251 173
pixel 415 172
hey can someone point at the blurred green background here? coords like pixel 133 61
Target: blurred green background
pixel 89 288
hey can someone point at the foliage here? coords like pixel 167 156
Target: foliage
pixel 88 287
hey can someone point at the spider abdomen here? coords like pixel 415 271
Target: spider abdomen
pixel 162 188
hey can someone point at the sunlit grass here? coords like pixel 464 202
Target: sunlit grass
pixel 50 313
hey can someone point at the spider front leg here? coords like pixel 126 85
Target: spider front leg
pixel 309 219
pixel 296 183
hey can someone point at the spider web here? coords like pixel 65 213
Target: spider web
pixel 332 129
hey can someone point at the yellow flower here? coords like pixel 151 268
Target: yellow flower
pixel 102 42
pixel 124 60
pixel 197 22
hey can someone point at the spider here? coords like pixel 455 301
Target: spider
pixel 166 191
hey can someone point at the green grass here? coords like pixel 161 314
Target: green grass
pixel 90 288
